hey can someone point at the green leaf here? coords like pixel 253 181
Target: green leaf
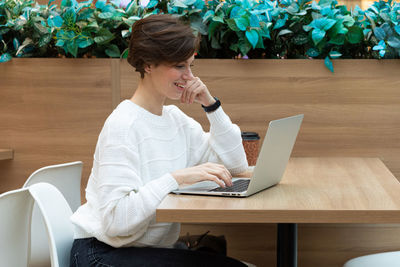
pixel 301 13
pixel 215 43
pixel 312 52
pixel 252 37
pixel 348 21
pixel 69 16
pixel 329 24
pixel 242 23
pixel 60 43
pixel 293 8
pixel 234 47
pixel 254 21
pixel 265 29
pixel 300 39
pixel 328 64
pixel 260 43
pixel 103 36
pixel 280 23
pixel 100 4
pixel 284 31
pixel 232 25
pixel 334 54
pixel 106 15
pixel 318 35
pixel 125 33
pixel 197 25
pixel 125 53
pixel 337 40
pixel 16 43
pixel 212 27
pixel 44 40
pixel 55 21
pixel 397 29
pixel 339 28
pixel 217 18
pixel 113 51
pixel 153 3
pixel 84 42
pixel 5 57
pixel 394 42
pixel 72 48
pixel 355 35
pixel 207 15
pixel 380 34
pixel 42 29
pixel 244 46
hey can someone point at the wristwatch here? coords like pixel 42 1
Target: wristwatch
pixel 212 107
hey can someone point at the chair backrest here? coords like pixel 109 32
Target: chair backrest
pixel 67 178
pixel 56 213
pixel 15 215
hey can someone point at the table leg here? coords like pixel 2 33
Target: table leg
pixel 287 245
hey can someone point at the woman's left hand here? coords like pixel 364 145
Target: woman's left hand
pixel 197 91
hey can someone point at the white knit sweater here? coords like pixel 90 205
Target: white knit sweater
pixel 135 154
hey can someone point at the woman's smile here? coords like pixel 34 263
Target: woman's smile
pixel 180 86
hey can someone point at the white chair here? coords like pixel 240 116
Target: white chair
pixel 386 259
pixel 56 213
pixel 66 178
pixel 15 209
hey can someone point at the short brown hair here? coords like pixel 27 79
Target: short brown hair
pixel 160 39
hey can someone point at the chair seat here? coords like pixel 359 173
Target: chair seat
pixel 387 259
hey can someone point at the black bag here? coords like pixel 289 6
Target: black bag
pixel 204 242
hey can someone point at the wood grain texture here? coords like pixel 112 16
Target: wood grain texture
pixel 6 154
pixel 52 111
pixel 313 190
pixel 353 112
pixel 328 245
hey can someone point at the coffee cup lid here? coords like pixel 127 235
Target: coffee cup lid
pixel 250 136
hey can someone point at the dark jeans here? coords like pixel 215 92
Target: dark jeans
pixel 87 252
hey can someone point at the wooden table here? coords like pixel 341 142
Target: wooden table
pixel 313 190
pixel 6 154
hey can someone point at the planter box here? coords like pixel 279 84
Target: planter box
pixel 52 110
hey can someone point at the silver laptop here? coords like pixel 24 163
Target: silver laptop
pixel 271 163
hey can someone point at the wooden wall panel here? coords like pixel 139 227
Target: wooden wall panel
pixel 353 112
pixel 328 245
pixel 51 112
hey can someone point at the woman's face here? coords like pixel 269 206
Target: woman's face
pixel 170 80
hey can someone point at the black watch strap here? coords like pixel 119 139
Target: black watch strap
pixel 212 107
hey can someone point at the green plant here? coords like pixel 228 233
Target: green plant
pixel 384 19
pixel 230 29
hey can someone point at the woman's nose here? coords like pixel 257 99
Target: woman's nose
pixel 188 75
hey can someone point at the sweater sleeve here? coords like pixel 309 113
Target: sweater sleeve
pixel 126 205
pixel 223 144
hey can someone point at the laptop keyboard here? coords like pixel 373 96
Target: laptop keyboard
pixel 237 186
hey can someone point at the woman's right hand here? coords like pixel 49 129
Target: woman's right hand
pixel 205 172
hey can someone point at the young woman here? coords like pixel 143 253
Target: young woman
pixel 146 150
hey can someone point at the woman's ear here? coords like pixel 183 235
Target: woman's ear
pixel 147 69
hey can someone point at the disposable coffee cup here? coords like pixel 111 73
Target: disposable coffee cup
pixel 251 144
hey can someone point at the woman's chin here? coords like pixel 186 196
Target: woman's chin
pixel 175 97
